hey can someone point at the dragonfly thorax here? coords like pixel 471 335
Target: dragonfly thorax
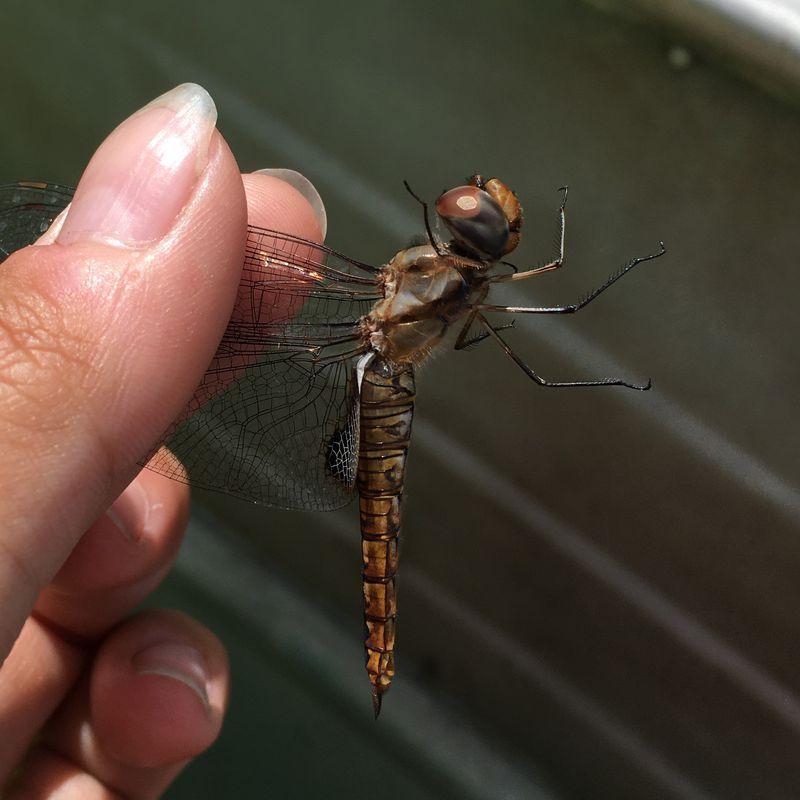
pixel 424 293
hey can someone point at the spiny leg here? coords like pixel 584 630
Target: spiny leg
pixel 464 341
pixel 491 331
pixel 424 205
pixel 559 262
pixel 573 307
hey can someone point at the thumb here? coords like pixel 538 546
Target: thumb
pixel 105 332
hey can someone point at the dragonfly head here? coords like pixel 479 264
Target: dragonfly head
pixel 484 217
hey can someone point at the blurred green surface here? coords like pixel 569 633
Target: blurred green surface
pixel 614 575
pixel 300 721
pixel 280 737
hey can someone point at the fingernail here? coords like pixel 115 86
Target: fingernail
pixel 175 660
pixel 144 172
pixel 130 511
pixel 306 188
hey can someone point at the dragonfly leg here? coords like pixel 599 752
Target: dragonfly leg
pixel 573 307
pixel 424 205
pixel 492 331
pixel 464 341
pixel 558 262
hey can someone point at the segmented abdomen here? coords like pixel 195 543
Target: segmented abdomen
pixel 387 407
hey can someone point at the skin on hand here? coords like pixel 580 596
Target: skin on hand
pixel 106 327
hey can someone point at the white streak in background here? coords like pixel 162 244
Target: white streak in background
pixel 778 18
pixel 610 730
pixel 275 134
pixel 741 24
pixel 748 472
pixel 569 542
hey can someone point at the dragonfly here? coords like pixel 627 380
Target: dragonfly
pixel 309 399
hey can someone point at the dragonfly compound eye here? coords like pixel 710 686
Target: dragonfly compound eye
pixel 475 219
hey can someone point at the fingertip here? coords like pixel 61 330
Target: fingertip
pixel 121 558
pixel 286 201
pixel 159 690
pixel 153 699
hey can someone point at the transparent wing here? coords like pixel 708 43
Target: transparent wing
pixel 275 420
pixel 27 210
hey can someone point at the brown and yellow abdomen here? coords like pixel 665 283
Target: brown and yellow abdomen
pixel 387 408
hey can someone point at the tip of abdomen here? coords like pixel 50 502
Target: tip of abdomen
pixel 377 699
pixel 380 668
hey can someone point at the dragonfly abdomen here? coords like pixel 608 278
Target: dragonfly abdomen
pixel 387 408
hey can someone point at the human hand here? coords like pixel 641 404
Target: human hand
pixel 106 327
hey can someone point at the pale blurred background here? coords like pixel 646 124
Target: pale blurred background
pixel 600 589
